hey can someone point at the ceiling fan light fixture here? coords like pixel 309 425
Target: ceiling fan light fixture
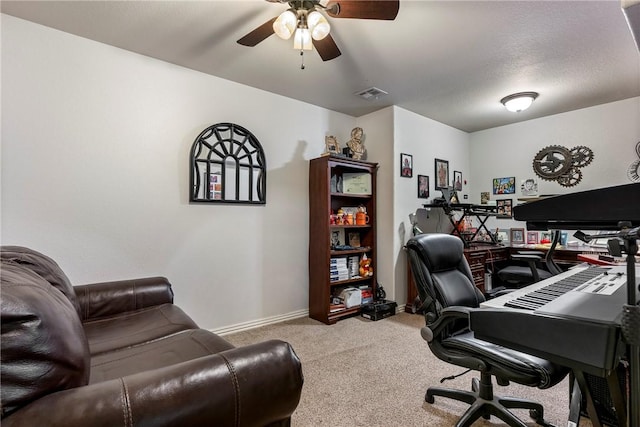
pixel 302 39
pixel 285 24
pixel 318 25
pixel 519 101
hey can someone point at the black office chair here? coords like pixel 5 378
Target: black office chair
pixel 445 285
pixel 540 266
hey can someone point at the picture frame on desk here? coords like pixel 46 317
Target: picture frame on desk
pixel 423 187
pixel 532 237
pixel 516 236
pixel 441 170
pixel 502 237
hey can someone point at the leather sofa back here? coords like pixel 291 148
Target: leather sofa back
pixel 43 345
pixel 44 266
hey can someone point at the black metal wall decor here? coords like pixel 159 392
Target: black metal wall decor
pixel 558 163
pixel 227 165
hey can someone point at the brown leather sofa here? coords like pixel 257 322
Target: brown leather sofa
pixel 122 354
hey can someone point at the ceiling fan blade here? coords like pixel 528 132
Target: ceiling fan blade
pixel 259 34
pixel 327 48
pixel 364 9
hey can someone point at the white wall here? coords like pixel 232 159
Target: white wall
pixel 611 130
pixel 425 140
pixel 378 127
pixel 95 152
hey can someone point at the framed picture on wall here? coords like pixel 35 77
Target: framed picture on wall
pixel 504 208
pixel 406 165
pixel 423 187
pixel 457 180
pixel 504 185
pixel 442 173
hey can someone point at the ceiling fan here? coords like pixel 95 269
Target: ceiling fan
pixel 305 21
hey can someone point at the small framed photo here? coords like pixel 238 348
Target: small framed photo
pixel 337 237
pixel 529 187
pixel 504 208
pixel 504 185
pixel 516 236
pixel 457 180
pixel 406 165
pixel 502 236
pixel 545 237
pixel 354 240
pixel 442 173
pixel 423 187
pixel 532 237
pixel 484 198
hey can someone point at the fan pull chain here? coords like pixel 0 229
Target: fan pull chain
pixel 302 59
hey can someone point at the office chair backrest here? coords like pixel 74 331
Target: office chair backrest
pixel 442 274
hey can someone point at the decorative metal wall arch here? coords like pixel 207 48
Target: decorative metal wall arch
pixel 227 166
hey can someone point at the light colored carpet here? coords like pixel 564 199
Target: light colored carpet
pixel 364 373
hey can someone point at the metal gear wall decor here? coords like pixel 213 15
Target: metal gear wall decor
pixel 558 163
pixel 634 168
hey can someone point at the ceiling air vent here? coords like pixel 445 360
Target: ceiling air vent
pixel 371 93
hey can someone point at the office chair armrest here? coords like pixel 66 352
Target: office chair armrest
pixel 447 316
pixel 531 262
pixel 526 257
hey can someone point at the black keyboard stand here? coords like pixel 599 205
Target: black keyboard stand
pixel 630 327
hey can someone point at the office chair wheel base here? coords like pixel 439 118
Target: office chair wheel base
pixel 428 398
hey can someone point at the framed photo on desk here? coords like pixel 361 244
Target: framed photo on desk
pixel 516 236
pixel 532 237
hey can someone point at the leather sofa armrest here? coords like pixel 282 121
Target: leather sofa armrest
pixel 109 298
pixel 254 385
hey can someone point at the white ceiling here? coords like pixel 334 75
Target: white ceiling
pixel 451 61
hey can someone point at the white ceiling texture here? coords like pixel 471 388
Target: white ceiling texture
pixel 451 61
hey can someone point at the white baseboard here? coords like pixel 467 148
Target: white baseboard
pixel 239 327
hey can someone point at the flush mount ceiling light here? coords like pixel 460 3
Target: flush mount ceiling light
pixel 519 101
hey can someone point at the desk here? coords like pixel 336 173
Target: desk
pixel 481 212
pixel 478 257
pixel 563 254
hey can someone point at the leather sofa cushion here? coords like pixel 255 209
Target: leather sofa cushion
pixel 167 351
pixel 135 327
pixel 43 346
pixel 44 266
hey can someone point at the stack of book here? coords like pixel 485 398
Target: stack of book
pixel 338 269
pixel 354 266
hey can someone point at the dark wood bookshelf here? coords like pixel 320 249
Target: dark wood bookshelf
pixel 321 202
